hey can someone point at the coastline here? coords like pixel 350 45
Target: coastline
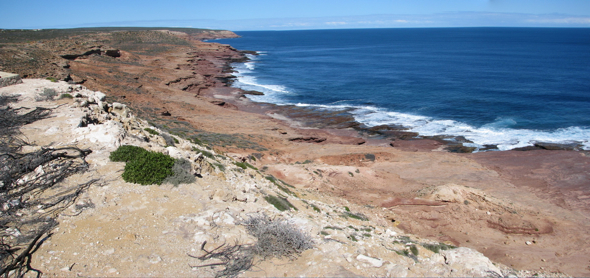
pixel 414 182
pixel 546 171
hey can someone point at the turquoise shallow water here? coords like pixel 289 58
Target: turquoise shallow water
pixel 509 87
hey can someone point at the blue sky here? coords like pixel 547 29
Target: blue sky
pixel 240 15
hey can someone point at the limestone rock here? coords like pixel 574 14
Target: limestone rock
pixel 470 262
pixel 374 262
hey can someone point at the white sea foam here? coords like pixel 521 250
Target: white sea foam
pixel 491 134
pixel 244 80
pixel 496 133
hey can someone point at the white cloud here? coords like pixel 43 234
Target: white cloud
pixel 336 23
pixel 456 19
pixel 564 20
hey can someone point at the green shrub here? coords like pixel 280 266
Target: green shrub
pixel 148 168
pixel 245 165
pixel 126 153
pixel 205 153
pixel 358 216
pixel 182 173
pixel 142 166
pixel 438 246
pixel 65 96
pixel 52 79
pixel 220 166
pixel 316 208
pixel 284 189
pixel 414 250
pixel 151 131
pixel 280 203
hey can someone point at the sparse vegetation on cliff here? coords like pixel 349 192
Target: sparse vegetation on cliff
pixel 142 166
pixel 275 238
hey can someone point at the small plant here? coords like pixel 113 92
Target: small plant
pixel 438 247
pixel 282 204
pixel 220 166
pixel 62 96
pixel 351 174
pixel 276 237
pixel 181 173
pixel 414 250
pixel 48 94
pixel 126 153
pixel 316 208
pixel 403 240
pixel 151 131
pixel 244 165
pixel 276 182
pixel 52 79
pixel 205 153
pixel 168 139
pixel 358 216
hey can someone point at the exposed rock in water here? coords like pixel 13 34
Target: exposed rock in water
pixel 460 149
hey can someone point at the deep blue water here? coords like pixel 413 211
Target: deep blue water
pixel 505 86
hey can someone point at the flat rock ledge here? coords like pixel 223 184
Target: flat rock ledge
pixel 7 79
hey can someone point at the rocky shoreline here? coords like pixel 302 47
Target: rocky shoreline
pixel 493 202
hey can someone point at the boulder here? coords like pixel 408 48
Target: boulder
pixel 115 53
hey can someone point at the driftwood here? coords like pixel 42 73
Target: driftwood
pixel 30 201
pixel 236 258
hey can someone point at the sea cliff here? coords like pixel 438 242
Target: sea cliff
pixel 369 207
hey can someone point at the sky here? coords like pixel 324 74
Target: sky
pixel 241 15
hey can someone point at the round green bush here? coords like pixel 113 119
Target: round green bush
pixel 127 153
pixel 148 168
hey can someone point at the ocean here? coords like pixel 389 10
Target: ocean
pixel 510 87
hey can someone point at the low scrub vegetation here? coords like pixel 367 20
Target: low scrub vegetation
pixel 280 203
pixel 147 167
pixel 47 94
pixel 275 238
pixel 151 131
